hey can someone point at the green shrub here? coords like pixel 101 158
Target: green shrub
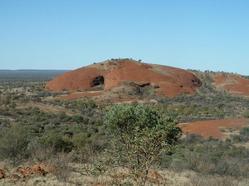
pixel 13 143
pixel 209 157
pixel 140 134
pixel 243 136
pixel 246 114
pixel 57 141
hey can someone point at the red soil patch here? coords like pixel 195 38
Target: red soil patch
pixel 167 80
pixel 37 169
pixel 211 128
pixel 25 172
pixel 232 83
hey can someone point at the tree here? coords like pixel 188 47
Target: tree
pixel 139 135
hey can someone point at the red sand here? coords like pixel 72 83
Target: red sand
pixel 170 81
pixel 232 83
pixel 211 128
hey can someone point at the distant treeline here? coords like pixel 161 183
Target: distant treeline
pixel 27 75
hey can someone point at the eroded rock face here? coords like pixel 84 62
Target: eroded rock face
pixel 167 81
pixel 234 84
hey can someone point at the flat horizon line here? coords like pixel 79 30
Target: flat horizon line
pixel 22 70
pixel 35 69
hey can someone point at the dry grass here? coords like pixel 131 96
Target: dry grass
pixel 121 177
pixel 48 108
pixel 198 180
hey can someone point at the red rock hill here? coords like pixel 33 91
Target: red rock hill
pixel 111 74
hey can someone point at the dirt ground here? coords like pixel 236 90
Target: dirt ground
pixel 213 128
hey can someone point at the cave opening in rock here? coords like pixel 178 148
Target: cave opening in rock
pixel 98 81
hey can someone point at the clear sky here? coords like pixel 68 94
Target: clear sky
pixel 67 34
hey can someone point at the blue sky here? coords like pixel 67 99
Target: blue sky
pixel 67 34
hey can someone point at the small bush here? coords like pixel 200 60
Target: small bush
pixel 57 141
pixel 246 114
pixel 243 136
pixel 13 144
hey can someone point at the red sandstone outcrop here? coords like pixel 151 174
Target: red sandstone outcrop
pixel 166 81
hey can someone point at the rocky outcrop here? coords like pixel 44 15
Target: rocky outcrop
pixel 166 81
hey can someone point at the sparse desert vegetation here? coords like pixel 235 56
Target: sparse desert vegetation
pixel 124 93
pixel 45 140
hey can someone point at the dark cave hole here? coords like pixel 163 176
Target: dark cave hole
pixel 98 81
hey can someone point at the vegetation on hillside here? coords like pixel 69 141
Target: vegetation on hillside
pixel 102 137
